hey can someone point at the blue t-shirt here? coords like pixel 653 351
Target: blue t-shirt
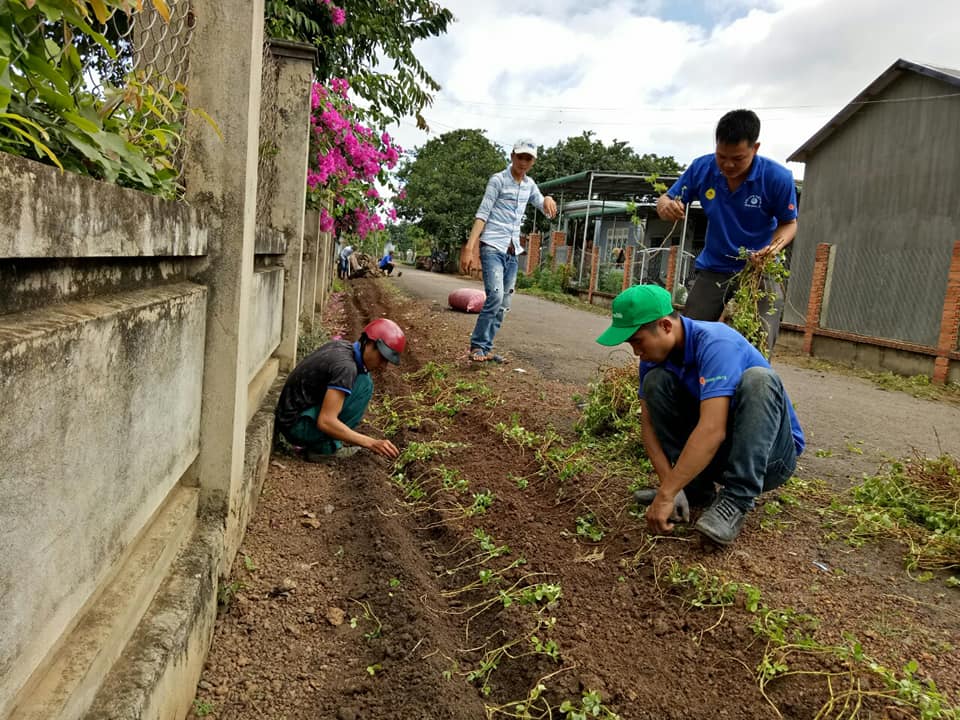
pixel 714 358
pixel 746 217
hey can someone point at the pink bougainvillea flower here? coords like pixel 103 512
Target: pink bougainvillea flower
pixel 338 15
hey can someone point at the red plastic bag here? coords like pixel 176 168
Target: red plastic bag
pixel 467 299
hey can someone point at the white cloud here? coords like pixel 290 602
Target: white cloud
pixel 659 74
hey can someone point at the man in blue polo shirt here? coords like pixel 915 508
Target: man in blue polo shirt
pixel 750 202
pixel 714 413
pixel 494 242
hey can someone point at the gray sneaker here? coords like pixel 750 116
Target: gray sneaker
pixel 722 521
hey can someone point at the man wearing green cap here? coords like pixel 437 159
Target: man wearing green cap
pixel 714 414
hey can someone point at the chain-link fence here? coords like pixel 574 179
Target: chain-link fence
pixel 103 95
pixel 651 266
pixel 896 294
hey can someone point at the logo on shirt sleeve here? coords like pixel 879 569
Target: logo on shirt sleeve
pixel 753 201
pixel 715 378
pixel 710 194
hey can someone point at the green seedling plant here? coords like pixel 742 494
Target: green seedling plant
pixel 485 577
pixel 369 616
pixel 202 708
pixel 536 707
pixel 527 645
pixel 489 550
pixel 521 482
pixel 227 592
pixel 515 433
pixel 700 589
pixel 394 413
pixel 481 503
pixel 590 706
pixel 753 291
pixel 452 480
pixel 589 528
pixel 539 594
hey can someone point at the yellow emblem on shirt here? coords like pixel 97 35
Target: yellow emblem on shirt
pixel 710 194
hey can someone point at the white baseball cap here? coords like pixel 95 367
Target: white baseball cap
pixel 528 147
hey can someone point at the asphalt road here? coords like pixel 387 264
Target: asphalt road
pixel 853 424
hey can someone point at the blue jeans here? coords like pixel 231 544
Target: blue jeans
pixel 499 279
pixel 758 453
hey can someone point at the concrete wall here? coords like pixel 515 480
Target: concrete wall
pixel 266 318
pixel 140 341
pixel 100 383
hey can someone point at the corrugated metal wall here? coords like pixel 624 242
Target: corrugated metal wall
pixel 885 189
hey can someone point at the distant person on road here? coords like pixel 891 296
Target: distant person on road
pixel 750 202
pixel 326 395
pixel 714 414
pixel 343 266
pixel 386 263
pixel 494 242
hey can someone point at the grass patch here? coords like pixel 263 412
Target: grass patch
pixel 917 502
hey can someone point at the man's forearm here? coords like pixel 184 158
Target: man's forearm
pixel 475 232
pixel 783 236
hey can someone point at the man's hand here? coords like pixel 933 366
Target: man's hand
pixel 469 258
pixel 383 447
pixel 664 512
pixel 549 207
pixel 670 209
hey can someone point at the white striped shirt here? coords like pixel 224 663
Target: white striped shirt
pixel 503 206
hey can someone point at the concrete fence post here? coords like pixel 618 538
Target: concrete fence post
pixel 627 268
pixel 822 262
pixel 949 320
pixel 594 271
pixel 220 175
pixel 294 68
pixel 326 263
pixel 310 275
pixel 671 268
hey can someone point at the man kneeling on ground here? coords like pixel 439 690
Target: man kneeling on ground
pixel 714 413
pixel 327 394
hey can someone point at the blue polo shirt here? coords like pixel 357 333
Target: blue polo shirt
pixel 714 358
pixel 746 217
pixel 502 208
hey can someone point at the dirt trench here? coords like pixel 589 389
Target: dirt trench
pixel 354 598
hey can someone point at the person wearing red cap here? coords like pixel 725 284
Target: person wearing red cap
pixel 326 395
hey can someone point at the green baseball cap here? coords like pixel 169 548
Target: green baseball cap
pixel 635 306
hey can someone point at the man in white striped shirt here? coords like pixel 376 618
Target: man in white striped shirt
pixel 494 242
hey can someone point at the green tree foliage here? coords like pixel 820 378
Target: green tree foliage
pixel 445 182
pixel 373 49
pixel 586 152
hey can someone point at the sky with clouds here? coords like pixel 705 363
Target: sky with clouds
pixel 659 74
